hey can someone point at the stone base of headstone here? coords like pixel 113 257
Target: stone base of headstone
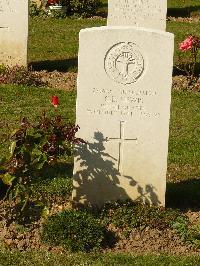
pixel 123 110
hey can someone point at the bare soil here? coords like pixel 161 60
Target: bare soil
pixel 67 81
pixel 185 83
pixel 25 235
pixel 59 80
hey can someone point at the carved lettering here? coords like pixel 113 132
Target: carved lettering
pixel 128 103
pixel 142 13
pixel 128 9
pixel 6 6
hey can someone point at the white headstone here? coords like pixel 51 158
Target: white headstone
pixel 141 13
pixel 123 110
pixel 13 32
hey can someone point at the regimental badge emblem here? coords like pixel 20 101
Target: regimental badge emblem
pixel 124 63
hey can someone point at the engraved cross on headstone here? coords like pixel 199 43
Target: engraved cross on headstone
pixel 125 60
pixel 121 141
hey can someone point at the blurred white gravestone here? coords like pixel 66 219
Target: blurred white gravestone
pixel 141 13
pixel 123 110
pixel 13 32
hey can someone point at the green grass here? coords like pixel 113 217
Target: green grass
pixel 183 188
pixel 184 130
pixel 176 7
pixel 183 3
pixel 183 8
pixel 53 43
pixel 19 101
pixel 48 259
pixel 174 3
pixel 184 153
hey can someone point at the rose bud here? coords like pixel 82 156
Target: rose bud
pixel 55 101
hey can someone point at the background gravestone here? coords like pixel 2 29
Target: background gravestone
pixel 141 13
pixel 123 110
pixel 13 32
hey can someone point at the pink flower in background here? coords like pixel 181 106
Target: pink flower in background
pixel 187 44
pixel 55 101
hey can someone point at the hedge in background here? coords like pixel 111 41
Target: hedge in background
pixel 77 8
pixel 82 8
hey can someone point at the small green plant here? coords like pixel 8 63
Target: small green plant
pixel 74 230
pixel 20 75
pixel 35 11
pixel 131 215
pixel 33 150
pixel 85 8
pixel 188 233
pixel 58 14
pixel 180 225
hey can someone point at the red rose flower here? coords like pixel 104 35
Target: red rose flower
pixel 55 101
pixel 52 2
pixel 187 44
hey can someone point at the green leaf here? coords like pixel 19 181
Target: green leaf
pixel 2 162
pixel 7 179
pixel 36 152
pixel 16 191
pixel 14 133
pixel 39 165
pixel 12 148
pixel 45 212
pixel 37 135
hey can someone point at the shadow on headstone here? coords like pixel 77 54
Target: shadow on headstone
pixel 99 181
pixel 182 12
pixel 63 65
pixel 184 195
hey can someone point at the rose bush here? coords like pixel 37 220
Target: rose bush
pixel 34 149
pixel 191 46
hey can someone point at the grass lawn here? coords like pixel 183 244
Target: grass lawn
pixel 183 3
pixel 184 8
pixel 53 45
pixel 178 8
pixel 49 259
pixel 184 153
